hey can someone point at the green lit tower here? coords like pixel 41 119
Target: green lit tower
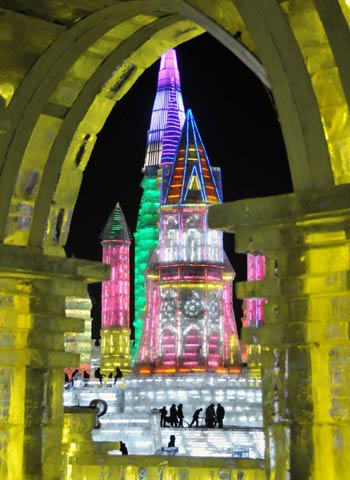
pixel 146 236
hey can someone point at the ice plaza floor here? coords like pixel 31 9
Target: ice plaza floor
pixel 133 413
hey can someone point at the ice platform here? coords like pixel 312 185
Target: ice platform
pixel 133 413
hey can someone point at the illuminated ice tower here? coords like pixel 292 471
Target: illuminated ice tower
pixel 253 311
pixel 189 323
pixel 115 332
pixel 146 236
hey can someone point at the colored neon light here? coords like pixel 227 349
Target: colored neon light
pixel 189 323
pixel 116 291
pixel 192 142
pixel 167 119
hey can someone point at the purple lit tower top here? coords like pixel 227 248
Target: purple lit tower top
pixel 189 323
pixel 168 108
pixel 168 90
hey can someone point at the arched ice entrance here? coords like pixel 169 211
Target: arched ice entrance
pixel 63 67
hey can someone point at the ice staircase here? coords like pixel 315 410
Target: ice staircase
pixel 217 442
pixel 132 417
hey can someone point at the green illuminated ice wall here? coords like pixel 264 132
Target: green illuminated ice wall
pixel 146 239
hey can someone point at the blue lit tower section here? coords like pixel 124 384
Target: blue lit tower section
pixel 168 96
pixel 189 323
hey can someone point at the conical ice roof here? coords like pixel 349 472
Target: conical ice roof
pixel 168 89
pixel 116 227
pixel 192 180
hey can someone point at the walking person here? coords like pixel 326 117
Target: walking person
pixel 163 413
pixel 195 417
pixel 220 414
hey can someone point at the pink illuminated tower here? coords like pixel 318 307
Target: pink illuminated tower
pixel 253 315
pixel 189 324
pixel 115 331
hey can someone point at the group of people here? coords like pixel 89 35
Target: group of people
pixel 118 374
pixel 175 418
pixel 97 374
pixel 76 375
pixel 212 416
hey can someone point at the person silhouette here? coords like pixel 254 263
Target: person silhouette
pixel 220 414
pixel 210 416
pixel 99 375
pixel 173 416
pixel 123 449
pixel 163 413
pixel 195 417
pixel 118 374
pixel 180 415
pixel 171 442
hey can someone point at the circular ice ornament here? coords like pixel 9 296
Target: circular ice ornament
pixel 192 307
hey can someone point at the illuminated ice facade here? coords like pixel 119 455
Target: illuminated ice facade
pixel 189 323
pixel 146 235
pixel 115 331
pixel 79 342
pixel 253 315
pixel 189 349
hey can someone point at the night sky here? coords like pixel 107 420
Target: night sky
pixel 238 125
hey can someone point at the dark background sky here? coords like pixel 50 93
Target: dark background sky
pixel 238 125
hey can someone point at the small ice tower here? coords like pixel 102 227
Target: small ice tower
pixel 115 331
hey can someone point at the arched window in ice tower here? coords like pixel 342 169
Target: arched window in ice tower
pixel 214 349
pixel 168 310
pixel 168 306
pixel 168 347
pixel 192 244
pixel 192 347
pixel 169 238
pixel 214 246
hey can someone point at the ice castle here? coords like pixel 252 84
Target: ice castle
pixel 186 347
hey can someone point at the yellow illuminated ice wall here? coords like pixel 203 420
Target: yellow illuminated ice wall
pixel 80 342
pixel 63 68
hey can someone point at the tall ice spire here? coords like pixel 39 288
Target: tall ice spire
pixel 167 119
pixel 168 88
